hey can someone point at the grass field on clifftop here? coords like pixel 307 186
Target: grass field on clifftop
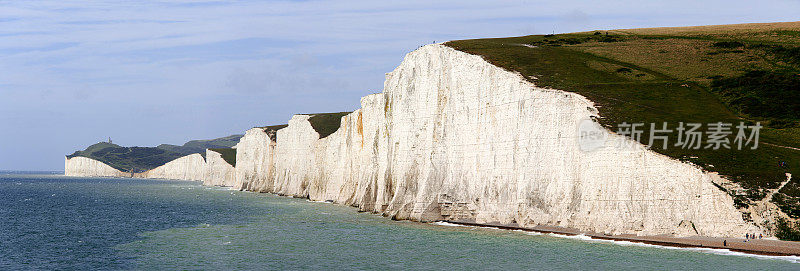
pixel 326 123
pixel 737 73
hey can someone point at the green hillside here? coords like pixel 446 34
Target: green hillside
pixel 140 159
pixel 735 73
pixel 228 154
pixel 200 146
pixel 326 124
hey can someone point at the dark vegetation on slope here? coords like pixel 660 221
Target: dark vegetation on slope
pixel 732 74
pixel 228 154
pixel 272 131
pixel 200 146
pixel 326 123
pixel 788 230
pixel 127 159
pixel 140 159
pixel 774 96
pixel 789 55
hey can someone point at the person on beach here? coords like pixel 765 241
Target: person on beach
pixel 724 243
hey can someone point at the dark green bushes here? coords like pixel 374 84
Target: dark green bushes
pixel 608 38
pixel 727 44
pixel 624 70
pixel 788 54
pixel 785 230
pixel 567 40
pixel 765 94
pixel 787 204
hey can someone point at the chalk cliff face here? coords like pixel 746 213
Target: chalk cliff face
pixel 217 171
pixel 190 167
pixel 254 164
pixel 295 164
pixel 454 137
pixel 87 167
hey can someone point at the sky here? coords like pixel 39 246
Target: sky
pixel 73 73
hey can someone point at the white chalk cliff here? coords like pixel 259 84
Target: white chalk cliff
pixel 190 168
pixel 254 161
pixel 454 137
pixel 86 167
pixel 217 172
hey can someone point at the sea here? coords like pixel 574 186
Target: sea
pixel 52 222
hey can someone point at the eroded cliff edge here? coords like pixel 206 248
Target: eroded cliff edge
pixel 454 137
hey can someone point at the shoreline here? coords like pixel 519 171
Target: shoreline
pixel 762 247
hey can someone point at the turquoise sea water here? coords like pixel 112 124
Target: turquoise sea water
pixel 53 222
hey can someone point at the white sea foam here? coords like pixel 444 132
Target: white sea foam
pixel 717 251
pixel 448 224
pixel 221 188
pixel 320 201
pixel 582 237
pixel 578 237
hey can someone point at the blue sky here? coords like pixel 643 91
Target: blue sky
pixel 73 73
